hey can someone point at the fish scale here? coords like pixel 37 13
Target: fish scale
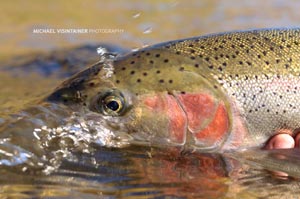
pixel 250 80
pixel 261 74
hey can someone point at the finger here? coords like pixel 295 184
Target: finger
pixel 281 141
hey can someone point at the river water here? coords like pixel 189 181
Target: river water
pixel 29 72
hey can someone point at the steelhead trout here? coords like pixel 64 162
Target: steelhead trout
pixel 211 93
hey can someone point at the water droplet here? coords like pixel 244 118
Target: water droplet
pixel 137 15
pixel 147 30
pixel 135 49
pixel 104 54
pixel 101 51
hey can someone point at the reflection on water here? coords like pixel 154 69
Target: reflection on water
pixel 145 172
pixel 135 172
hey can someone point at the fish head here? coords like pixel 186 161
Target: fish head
pixel 151 97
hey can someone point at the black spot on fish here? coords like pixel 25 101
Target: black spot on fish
pixel 151 62
pixel 170 81
pixel 117 81
pixel 196 65
pixel 138 80
pixel 192 51
pixel 158 71
pixel 91 84
pixel 161 81
pixel 178 52
pixel 191 45
pixel 132 72
pixel 132 62
pixel 181 69
pixel 123 68
pixel 145 74
pixel 166 60
pixel 278 76
pixel 192 57
pixel 147 53
pixel 157 55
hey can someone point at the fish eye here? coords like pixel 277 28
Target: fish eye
pixel 110 103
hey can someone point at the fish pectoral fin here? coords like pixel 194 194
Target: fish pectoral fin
pixel 282 160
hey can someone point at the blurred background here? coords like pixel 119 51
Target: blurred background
pixel 141 22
